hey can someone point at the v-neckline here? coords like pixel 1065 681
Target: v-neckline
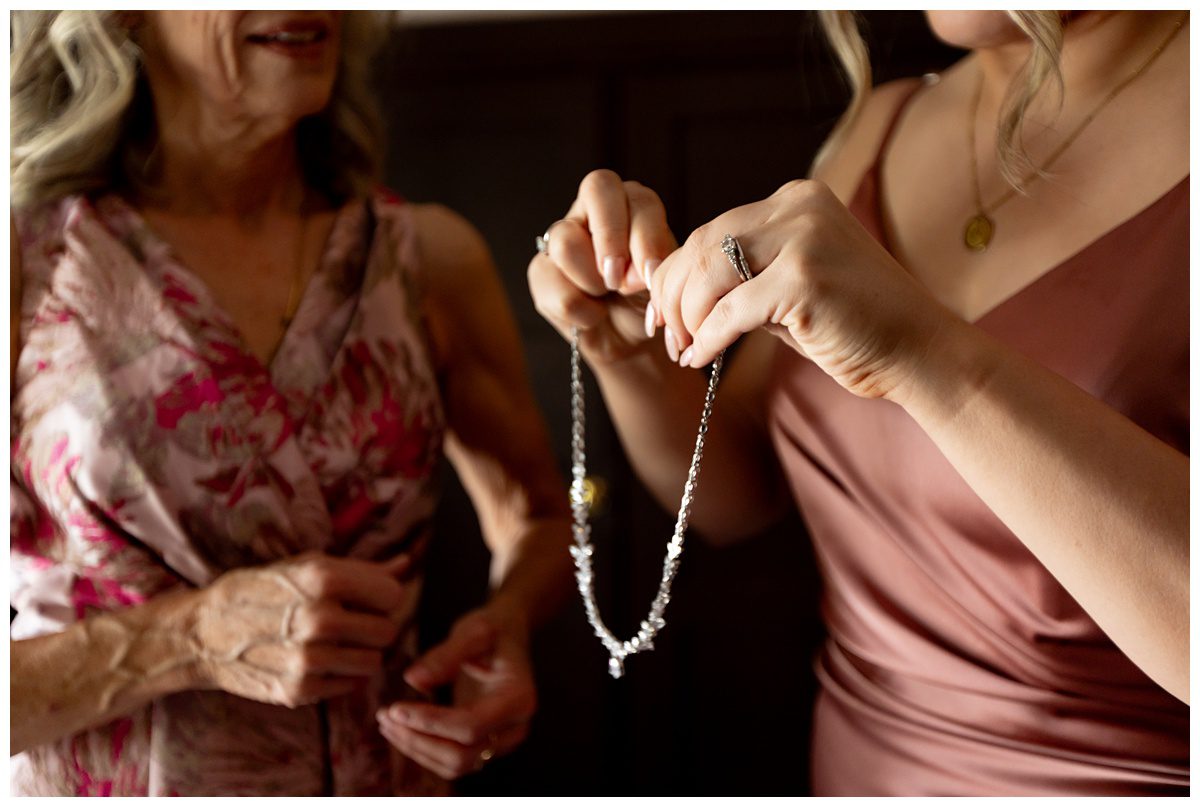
pixel 1055 269
pixel 154 243
pixel 875 175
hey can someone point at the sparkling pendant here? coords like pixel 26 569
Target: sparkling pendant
pixel 616 667
pixel 978 233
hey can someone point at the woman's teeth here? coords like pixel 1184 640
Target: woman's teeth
pixel 290 37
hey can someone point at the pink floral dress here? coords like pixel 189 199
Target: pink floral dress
pixel 151 450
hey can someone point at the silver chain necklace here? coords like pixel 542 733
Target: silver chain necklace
pixel 582 550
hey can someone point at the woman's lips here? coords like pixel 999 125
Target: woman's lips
pixel 301 40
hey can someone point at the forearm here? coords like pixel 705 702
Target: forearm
pixel 524 516
pixel 532 578
pixel 99 669
pixel 655 406
pixel 1100 502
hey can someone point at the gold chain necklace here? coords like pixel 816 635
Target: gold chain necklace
pixel 980 227
pixel 293 301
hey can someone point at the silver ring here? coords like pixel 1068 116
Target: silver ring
pixel 542 242
pixel 733 251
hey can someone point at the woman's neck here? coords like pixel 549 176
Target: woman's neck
pixel 1100 48
pixel 213 166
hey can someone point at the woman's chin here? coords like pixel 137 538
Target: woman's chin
pixel 974 29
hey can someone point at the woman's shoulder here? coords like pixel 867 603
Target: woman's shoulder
pixel 443 235
pixel 47 220
pixel 450 250
pixel 843 167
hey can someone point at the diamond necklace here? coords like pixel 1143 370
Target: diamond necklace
pixel 582 550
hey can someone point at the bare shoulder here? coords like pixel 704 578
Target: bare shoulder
pixel 843 168
pixel 453 252
pixel 466 305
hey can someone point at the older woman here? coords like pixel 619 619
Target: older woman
pixel 237 366
pixel 979 400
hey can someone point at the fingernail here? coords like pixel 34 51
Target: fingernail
pixel 672 345
pixel 651 316
pixel 614 267
pixel 648 269
pixel 686 359
pixel 400 714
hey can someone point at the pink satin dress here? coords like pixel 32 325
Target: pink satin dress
pixel 955 663
pixel 151 451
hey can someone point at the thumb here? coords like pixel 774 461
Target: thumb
pixel 471 638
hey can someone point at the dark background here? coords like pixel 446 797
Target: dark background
pixel 500 120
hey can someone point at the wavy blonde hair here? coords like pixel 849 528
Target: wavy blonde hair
pixel 1045 32
pixel 81 117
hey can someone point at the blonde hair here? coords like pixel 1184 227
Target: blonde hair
pixel 82 120
pixel 1045 32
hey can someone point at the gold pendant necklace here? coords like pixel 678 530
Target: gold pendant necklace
pixel 980 228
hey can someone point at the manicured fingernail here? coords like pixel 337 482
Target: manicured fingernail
pixel 651 316
pixel 686 359
pixel 648 269
pixel 400 714
pixel 672 345
pixel 614 268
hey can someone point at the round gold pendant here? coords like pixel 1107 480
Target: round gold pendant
pixel 978 234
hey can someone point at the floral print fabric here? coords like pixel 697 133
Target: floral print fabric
pixel 152 450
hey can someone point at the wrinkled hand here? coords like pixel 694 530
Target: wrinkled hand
pixel 595 274
pixel 494 699
pixel 299 630
pixel 821 282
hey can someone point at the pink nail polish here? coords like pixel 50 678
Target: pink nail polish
pixel 651 316
pixel 614 268
pixel 648 269
pixel 686 359
pixel 672 345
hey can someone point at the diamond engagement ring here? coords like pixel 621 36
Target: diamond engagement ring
pixel 733 251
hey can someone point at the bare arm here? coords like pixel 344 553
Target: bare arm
pixel 99 669
pixel 228 636
pixel 497 440
pixel 655 406
pixel 499 447
pixel 1103 504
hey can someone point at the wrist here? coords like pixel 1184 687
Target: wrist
pixel 509 615
pixel 957 362
pixel 170 653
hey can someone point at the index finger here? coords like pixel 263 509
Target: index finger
pixel 602 204
pixel 650 239
pixel 468 725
